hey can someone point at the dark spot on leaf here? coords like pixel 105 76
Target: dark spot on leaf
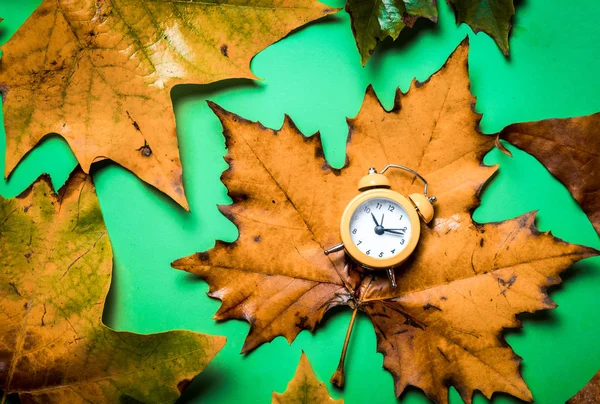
pixel 443 298
pixel 481 243
pixel 257 239
pixel 202 256
pixel 44 315
pixel 400 332
pixel 14 287
pixel 421 83
pixel 335 171
pixel 238 197
pixel 27 255
pixel 134 123
pixel 302 322
pixel 26 208
pixel 508 283
pixel 412 324
pixel 145 149
pixel 431 306
pixel 319 153
pixel 3 91
pixel 224 50
pixel 273 201
pixel 443 354
pixel 182 385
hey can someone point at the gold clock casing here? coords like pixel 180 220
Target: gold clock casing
pixel 364 259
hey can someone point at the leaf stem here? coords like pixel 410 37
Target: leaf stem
pixel 338 377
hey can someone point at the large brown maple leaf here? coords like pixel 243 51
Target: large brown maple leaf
pixel 56 265
pixel 100 73
pixel 465 282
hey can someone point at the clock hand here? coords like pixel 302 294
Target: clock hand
pixel 375 220
pixel 382 215
pixel 401 232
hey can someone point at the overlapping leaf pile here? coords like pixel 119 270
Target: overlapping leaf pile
pixel 374 20
pixel 464 284
pixel 100 73
pixel 56 265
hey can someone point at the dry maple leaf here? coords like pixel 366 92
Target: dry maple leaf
pixel 305 388
pixel 570 149
pixel 589 394
pixel 56 265
pixel 465 282
pixel 100 73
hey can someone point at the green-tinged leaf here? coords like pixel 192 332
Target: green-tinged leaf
pixel 374 20
pixel 56 262
pixel 305 388
pixel 490 16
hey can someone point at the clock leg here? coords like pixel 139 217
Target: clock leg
pixel 335 248
pixel 392 276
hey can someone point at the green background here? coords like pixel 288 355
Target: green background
pixel 316 77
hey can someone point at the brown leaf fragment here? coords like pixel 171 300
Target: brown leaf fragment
pixel 56 265
pixel 589 394
pixel 570 150
pixel 305 388
pixel 442 326
pixel 100 73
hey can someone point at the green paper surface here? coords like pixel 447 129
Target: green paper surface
pixel 316 77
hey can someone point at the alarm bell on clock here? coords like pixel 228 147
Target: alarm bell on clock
pixel 380 228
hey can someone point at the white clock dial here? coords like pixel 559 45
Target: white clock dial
pixel 380 228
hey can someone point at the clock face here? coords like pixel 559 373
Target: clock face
pixel 380 228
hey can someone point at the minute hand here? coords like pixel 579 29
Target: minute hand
pixel 395 231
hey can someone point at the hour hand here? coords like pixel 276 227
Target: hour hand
pixel 375 220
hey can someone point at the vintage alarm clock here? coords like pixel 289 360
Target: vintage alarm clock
pixel 380 227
